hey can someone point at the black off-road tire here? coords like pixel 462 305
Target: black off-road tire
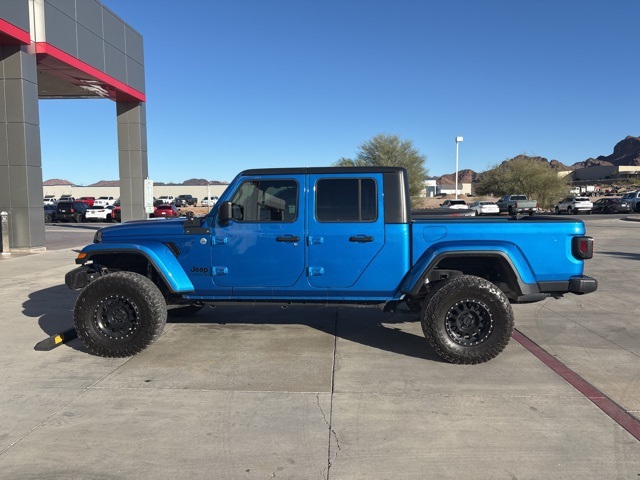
pixel 119 314
pixel 184 312
pixel 467 320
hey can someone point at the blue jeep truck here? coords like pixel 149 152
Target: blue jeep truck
pixel 327 235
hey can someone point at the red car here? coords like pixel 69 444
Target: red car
pixel 116 214
pixel 88 200
pixel 166 210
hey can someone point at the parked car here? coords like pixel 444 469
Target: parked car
pixel 99 213
pixel 166 199
pixel 49 200
pixel 454 204
pixel 66 198
pixel 50 213
pixel 611 205
pixel 166 210
pixel 71 211
pixel 88 200
pixel 105 200
pixel 117 213
pixel 185 200
pixel 634 200
pixel 209 201
pixel 574 205
pixel 484 208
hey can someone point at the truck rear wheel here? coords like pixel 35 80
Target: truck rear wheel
pixel 119 314
pixel 467 320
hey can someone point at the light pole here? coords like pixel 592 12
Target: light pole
pixel 458 140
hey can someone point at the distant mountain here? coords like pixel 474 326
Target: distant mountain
pixel 106 183
pixel 626 152
pixel 464 176
pixel 193 182
pixel 56 181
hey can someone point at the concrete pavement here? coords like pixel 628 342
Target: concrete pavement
pixel 320 392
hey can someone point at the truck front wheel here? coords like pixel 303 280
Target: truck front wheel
pixel 119 314
pixel 467 320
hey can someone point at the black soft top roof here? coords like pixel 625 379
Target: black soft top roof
pixel 311 170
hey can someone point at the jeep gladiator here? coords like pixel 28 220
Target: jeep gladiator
pixel 327 235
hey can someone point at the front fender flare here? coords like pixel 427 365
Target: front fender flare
pixel 158 254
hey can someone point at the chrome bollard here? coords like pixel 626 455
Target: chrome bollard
pixel 4 228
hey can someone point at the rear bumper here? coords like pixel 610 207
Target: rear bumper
pixel 583 284
pixel 579 285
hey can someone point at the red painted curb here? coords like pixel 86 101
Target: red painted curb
pixel 627 421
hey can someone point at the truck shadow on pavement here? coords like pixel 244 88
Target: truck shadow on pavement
pixel 369 326
pixel 397 333
pixel 53 307
pixel 625 255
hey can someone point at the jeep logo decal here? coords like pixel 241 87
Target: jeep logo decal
pixel 199 270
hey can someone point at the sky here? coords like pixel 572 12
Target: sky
pixel 237 84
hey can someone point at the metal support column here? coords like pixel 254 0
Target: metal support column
pixel 132 153
pixel 20 160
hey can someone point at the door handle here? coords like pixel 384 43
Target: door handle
pixel 361 238
pixel 287 239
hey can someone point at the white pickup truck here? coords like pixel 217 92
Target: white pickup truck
pixel 104 201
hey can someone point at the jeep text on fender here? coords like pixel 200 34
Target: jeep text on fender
pixel 342 235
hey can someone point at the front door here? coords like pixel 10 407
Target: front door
pixel 346 228
pixel 263 246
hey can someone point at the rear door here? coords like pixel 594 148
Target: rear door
pixel 345 228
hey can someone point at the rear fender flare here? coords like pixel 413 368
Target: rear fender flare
pixel 427 263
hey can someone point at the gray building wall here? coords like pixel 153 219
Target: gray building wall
pixel 16 12
pixel 79 48
pixel 92 33
pixel 20 160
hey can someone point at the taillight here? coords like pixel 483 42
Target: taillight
pixel 582 247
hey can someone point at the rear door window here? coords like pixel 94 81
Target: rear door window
pixel 346 200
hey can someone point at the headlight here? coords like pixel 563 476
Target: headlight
pixel 97 238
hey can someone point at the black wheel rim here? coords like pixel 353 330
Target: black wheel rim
pixel 116 317
pixel 469 322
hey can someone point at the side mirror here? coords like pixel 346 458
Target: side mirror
pixel 225 212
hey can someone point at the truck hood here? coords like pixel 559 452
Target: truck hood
pixel 159 227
